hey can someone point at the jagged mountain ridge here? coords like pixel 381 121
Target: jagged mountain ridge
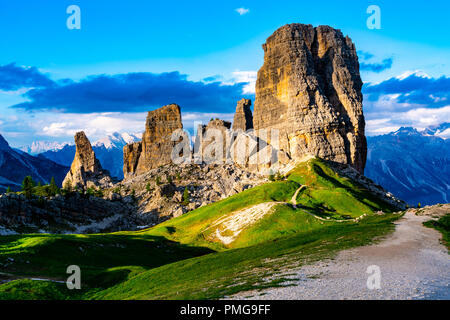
pixel 37 147
pixel 413 165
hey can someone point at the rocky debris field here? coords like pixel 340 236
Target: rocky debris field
pixel 161 192
pixel 66 214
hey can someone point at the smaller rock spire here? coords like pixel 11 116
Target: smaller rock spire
pixel 86 171
pixel 243 119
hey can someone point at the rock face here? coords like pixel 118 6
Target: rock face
pixel 3 143
pixel 156 146
pixel 309 88
pixel 86 171
pixel 243 118
pixel 213 141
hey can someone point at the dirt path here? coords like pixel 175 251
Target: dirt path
pixel 294 197
pixel 413 264
pixel 7 277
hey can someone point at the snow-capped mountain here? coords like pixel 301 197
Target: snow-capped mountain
pixel 16 165
pixel 413 165
pixel 41 146
pixel 442 131
pixel 116 140
pixel 108 150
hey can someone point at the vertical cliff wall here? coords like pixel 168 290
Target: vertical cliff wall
pixel 309 88
pixel 156 146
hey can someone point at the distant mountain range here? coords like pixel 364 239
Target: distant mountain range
pixel 413 165
pixel 15 165
pixel 108 150
pixel 38 147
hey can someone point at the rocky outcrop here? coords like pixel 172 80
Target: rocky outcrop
pixel 86 171
pixel 73 213
pixel 243 118
pixel 159 192
pixel 213 141
pixel 156 146
pixel 309 89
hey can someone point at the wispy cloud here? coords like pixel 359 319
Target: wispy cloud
pixel 367 64
pixel 242 11
pixel 247 77
pixel 377 67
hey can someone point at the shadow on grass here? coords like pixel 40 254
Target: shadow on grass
pixel 99 257
pixel 364 196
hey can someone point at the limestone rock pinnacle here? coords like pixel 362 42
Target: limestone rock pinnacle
pixel 309 88
pixel 156 146
pixel 86 171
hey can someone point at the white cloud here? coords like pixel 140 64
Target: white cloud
pixel 56 129
pixel 96 125
pixel 246 76
pixel 419 118
pixel 425 117
pixel 443 134
pixel 242 11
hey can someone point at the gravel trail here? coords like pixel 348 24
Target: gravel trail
pixel 413 264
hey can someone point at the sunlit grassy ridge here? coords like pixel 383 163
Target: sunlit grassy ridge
pixel 325 194
pixel 180 258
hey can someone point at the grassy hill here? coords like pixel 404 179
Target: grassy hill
pixel 236 244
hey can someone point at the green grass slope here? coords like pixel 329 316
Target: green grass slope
pixel 325 194
pixel 443 226
pixel 182 259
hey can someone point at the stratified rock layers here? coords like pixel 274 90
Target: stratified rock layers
pixel 86 171
pixel 309 89
pixel 156 146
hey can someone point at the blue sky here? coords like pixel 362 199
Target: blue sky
pixel 131 56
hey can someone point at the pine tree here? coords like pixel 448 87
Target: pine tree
pixel 8 190
pixel 186 196
pixel 27 186
pixel 54 190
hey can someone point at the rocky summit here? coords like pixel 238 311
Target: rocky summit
pixel 156 146
pixel 86 171
pixel 309 88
